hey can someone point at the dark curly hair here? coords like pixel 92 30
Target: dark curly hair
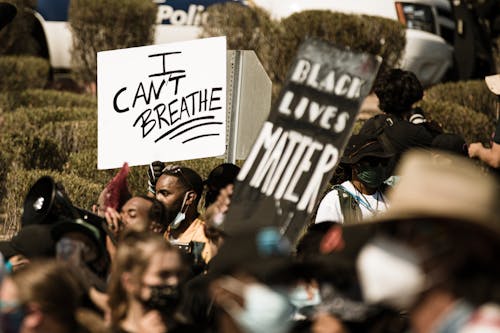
pixel 397 90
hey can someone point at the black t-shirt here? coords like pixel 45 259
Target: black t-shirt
pixel 402 134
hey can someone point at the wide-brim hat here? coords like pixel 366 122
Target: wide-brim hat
pixel 452 187
pixel 493 83
pixel 65 226
pixel 361 146
pixel 32 241
pixel 450 194
pixel 451 191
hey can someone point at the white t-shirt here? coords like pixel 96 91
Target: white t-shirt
pixel 329 208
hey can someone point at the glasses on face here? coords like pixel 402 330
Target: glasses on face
pixel 176 171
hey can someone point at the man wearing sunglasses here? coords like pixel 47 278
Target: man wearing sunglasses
pixel 179 189
pixel 361 196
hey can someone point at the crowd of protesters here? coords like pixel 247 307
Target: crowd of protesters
pixel 405 240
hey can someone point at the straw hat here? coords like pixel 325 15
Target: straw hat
pixel 455 190
pixel 493 83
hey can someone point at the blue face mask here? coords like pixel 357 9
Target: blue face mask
pixel 10 322
pixel 265 310
pixel 181 215
pixel 300 297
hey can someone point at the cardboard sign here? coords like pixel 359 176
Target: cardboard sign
pixel 161 102
pixel 301 143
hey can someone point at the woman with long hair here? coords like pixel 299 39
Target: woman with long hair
pixel 144 284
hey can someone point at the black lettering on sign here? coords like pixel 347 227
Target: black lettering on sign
pixel 161 109
pixel 300 144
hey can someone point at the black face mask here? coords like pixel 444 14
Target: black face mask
pixel 164 299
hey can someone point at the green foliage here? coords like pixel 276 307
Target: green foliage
pixel 4 169
pixel 454 118
pixel 82 192
pixel 374 35
pixel 245 28
pixel 471 94
pixel 37 98
pixel 20 73
pixel 29 120
pixel 84 164
pixel 276 43
pixel 16 38
pixel 8 100
pixel 104 25
pixel 43 138
pixel 33 152
pixel 72 136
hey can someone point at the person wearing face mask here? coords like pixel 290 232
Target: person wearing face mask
pixel 179 189
pixel 244 288
pixel 361 196
pixel 433 254
pixel 144 286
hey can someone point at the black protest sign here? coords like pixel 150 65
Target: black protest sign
pixel 301 143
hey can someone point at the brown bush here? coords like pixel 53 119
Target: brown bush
pixel 474 95
pixel 276 43
pixel 23 72
pixel 454 118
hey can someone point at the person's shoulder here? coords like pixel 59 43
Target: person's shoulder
pixel 346 186
pixel 406 132
pixel 334 190
pixel 199 221
pixel 371 125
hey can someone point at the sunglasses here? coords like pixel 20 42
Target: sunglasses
pixel 176 171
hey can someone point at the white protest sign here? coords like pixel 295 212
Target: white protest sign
pixel 161 102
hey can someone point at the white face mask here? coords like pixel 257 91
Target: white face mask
pixel 265 310
pixel 181 215
pixel 301 297
pixel 390 273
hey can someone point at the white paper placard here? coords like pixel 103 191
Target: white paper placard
pixel 161 102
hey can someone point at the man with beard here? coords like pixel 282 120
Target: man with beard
pixel 179 189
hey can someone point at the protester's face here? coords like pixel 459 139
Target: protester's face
pixel 135 212
pixel 164 268
pixel 170 191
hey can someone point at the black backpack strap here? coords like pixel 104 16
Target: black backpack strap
pixel 381 123
pixel 348 205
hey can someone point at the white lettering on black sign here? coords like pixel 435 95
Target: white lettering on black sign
pixel 299 146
